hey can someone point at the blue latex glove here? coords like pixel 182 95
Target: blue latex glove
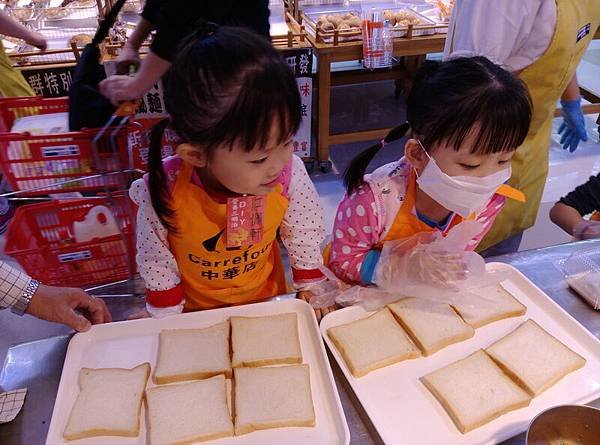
pixel 572 130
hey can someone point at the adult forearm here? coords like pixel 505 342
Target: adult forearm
pixel 12 28
pixel 565 217
pixel 141 32
pixel 150 71
pixel 572 90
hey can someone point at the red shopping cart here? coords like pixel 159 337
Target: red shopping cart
pixel 62 161
pixel 43 239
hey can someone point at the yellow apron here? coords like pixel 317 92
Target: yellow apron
pixel 546 79
pixel 12 82
pixel 213 275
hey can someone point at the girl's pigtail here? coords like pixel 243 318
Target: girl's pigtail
pixel 157 179
pixel 353 176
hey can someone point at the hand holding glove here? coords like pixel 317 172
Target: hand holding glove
pixel 585 229
pixel 429 259
pixel 572 130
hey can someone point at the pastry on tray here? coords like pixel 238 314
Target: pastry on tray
pixel 80 39
pixel 341 21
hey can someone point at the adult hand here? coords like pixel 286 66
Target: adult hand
pixel 38 40
pixel 572 130
pixel 70 306
pixel 119 89
pixel 585 229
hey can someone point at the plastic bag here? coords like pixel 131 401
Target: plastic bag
pixel 334 291
pixel 428 259
pixel 409 267
pixel 325 292
pixel 410 284
pixel 582 272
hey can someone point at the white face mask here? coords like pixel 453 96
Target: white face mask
pixel 460 194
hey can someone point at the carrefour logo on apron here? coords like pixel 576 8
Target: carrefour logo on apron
pixel 227 263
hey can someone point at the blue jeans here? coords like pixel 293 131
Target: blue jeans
pixel 509 245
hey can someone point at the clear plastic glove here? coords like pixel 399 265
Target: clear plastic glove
pixel 320 312
pixel 585 229
pixel 429 259
pixel 572 130
pixel 370 298
pixel 322 295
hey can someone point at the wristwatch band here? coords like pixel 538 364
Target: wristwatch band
pixel 22 303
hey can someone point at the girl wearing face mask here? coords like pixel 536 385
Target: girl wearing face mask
pixel 209 217
pixel 465 119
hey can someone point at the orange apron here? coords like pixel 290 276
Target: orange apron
pixel 407 223
pixel 213 275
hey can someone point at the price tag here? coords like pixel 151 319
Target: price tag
pixel 245 216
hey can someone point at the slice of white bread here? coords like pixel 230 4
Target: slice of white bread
pixel 534 358
pixel 272 397
pixel 192 354
pixel 496 304
pixel 474 391
pixel 372 343
pixel 229 389
pixel 189 412
pixel 262 341
pixel 108 403
pixel 431 325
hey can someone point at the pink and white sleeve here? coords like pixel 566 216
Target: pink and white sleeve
pixel 356 232
pixel 487 218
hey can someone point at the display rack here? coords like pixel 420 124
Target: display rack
pixel 410 50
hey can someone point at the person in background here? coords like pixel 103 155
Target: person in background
pixel 70 306
pixel 235 106
pixel 173 20
pixel 466 118
pixel 542 41
pixel 569 212
pixel 12 82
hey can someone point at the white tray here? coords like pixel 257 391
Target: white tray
pixel 127 344
pixel 404 411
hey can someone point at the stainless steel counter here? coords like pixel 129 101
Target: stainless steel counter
pixel 37 364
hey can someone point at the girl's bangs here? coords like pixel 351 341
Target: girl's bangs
pixel 496 128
